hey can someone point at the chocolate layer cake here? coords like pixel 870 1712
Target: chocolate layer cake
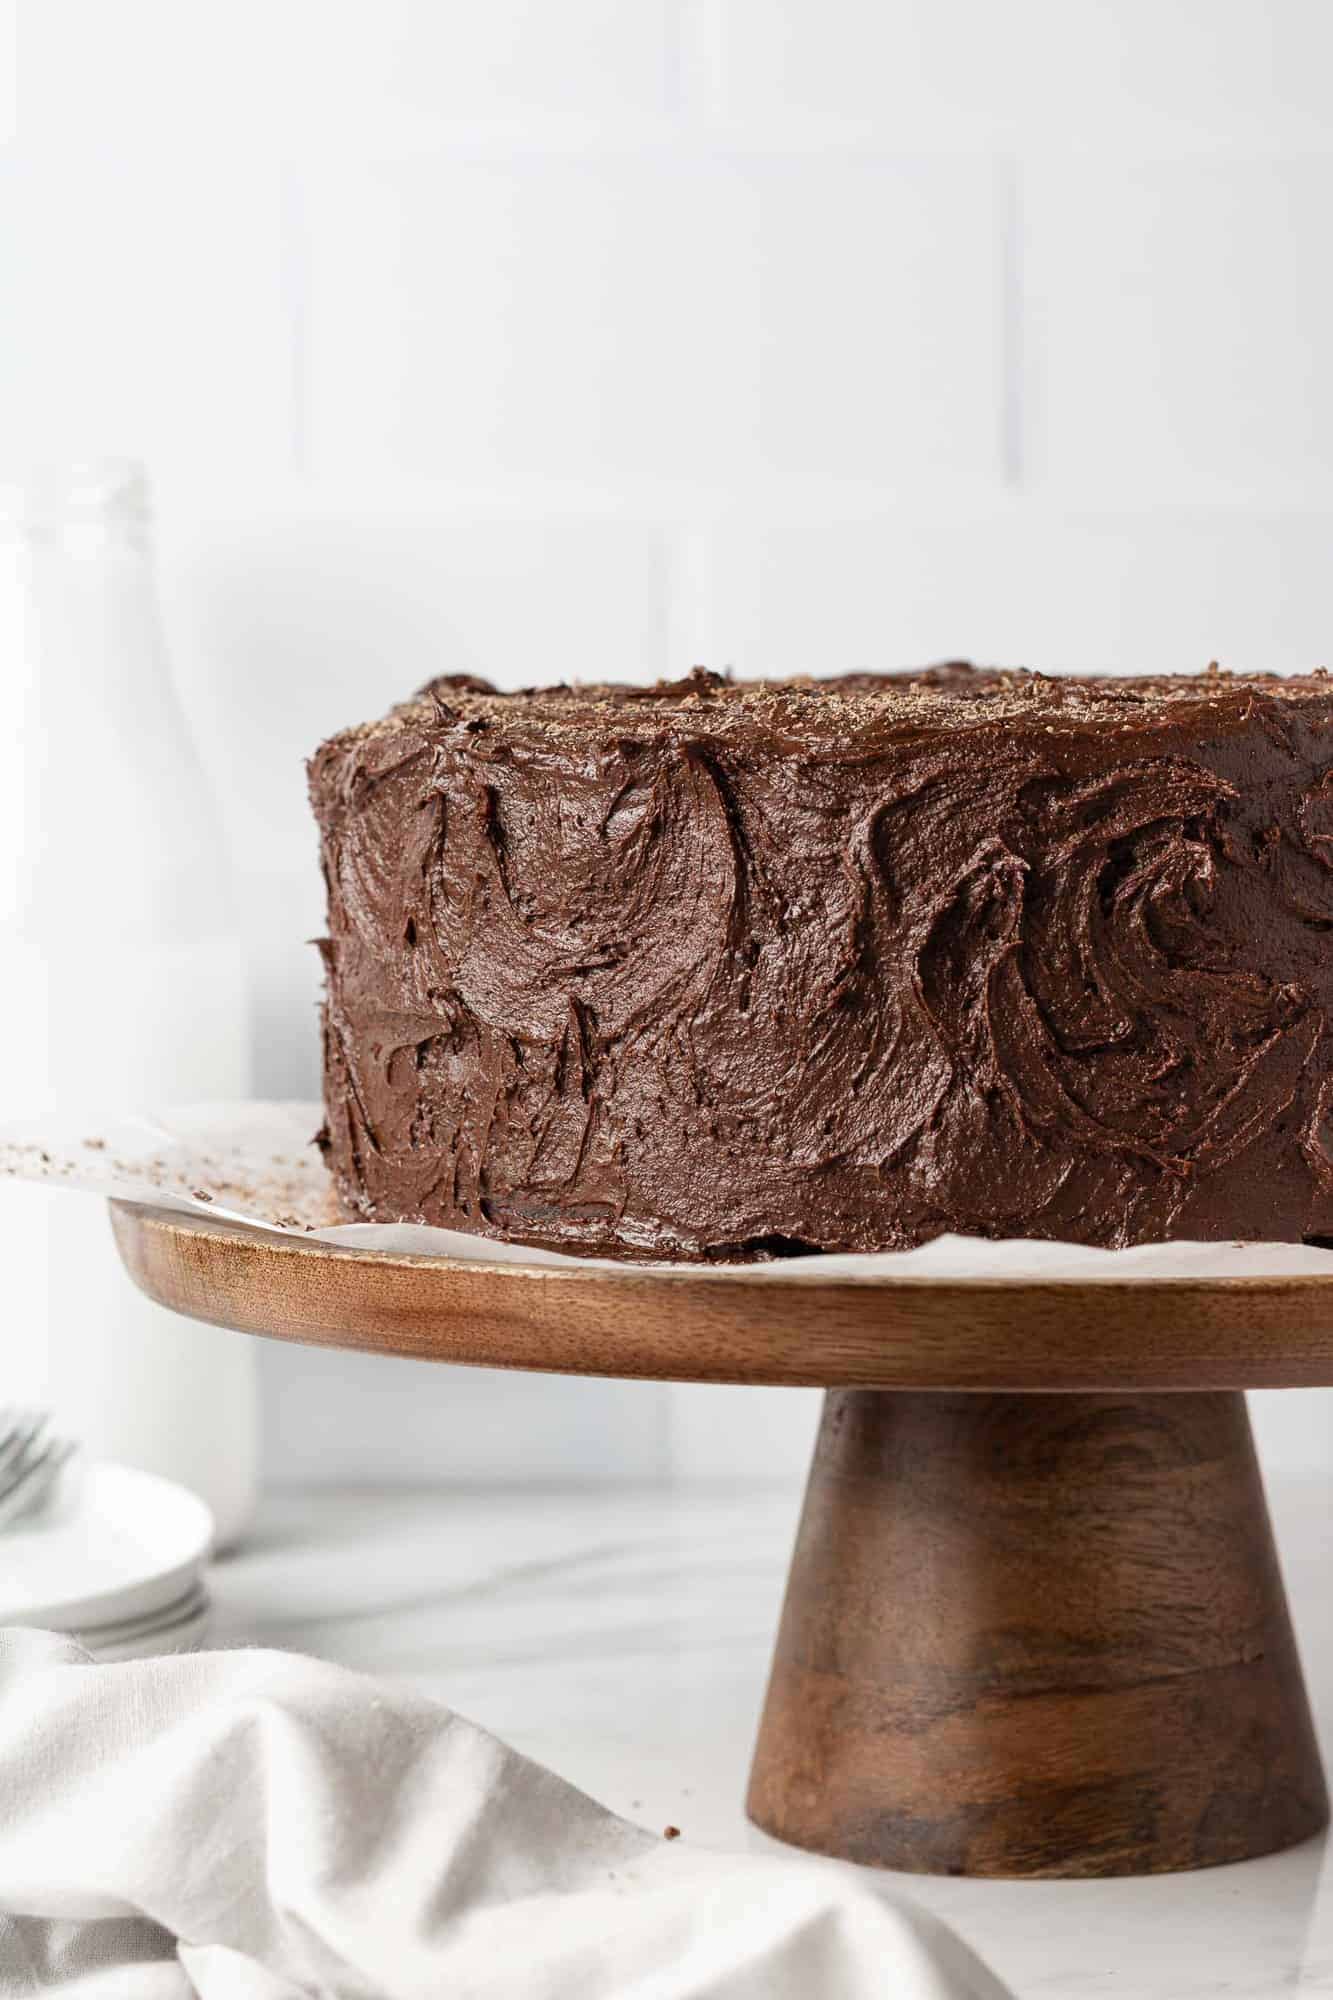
pixel 712 971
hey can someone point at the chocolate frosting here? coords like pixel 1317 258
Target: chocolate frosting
pixel 712 970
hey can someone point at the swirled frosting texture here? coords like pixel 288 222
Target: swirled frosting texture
pixel 710 971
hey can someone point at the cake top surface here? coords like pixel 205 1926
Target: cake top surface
pixel 820 707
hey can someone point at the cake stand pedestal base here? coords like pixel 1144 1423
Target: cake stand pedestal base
pixel 1036 1635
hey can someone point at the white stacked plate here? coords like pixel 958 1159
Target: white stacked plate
pixel 117 1561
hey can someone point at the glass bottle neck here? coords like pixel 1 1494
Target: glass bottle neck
pixel 93 509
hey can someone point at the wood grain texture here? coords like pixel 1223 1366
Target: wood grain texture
pixel 702 1326
pixel 1036 1635
pixel 1025 1634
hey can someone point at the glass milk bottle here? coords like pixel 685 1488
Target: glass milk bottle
pixel 122 974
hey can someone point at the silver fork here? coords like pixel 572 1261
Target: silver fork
pixel 31 1460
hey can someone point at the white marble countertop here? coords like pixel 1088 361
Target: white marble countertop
pixel 621 1635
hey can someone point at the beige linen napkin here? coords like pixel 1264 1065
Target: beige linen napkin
pixel 260 1826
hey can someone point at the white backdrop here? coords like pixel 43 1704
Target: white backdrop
pixel 551 338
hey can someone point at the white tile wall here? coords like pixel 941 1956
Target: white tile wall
pixel 149 314
pixel 11 237
pixel 604 338
pixel 1179 317
pixel 1138 74
pixel 8 69
pixel 685 321
pixel 365 1419
pixel 411 66
pixel 1059 588
pixel 281 76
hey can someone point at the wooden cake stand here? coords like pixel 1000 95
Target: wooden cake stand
pixel 1025 1633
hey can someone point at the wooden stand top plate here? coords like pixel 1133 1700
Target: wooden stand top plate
pixel 698 1325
